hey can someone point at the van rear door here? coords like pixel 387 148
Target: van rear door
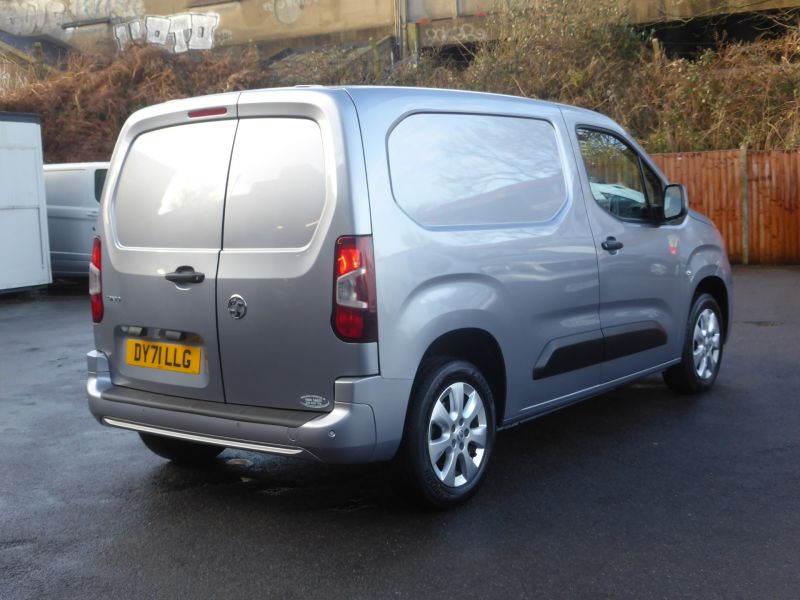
pixel 291 192
pixel 159 288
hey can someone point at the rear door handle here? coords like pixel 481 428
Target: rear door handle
pixel 185 274
pixel 611 244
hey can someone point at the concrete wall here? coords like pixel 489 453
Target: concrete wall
pixel 183 25
pixel 46 18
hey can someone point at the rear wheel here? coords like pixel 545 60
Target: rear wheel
pixel 702 349
pixel 180 451
pixel 449 433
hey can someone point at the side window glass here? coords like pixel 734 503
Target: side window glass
pixel 614 174
pixel 460 170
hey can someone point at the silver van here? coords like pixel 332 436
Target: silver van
pixel 73 193
pixel 365 274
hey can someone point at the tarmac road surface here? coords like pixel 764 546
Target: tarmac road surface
pixel 636 494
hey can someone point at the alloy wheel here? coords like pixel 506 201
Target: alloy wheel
pixel 707 343
pixel 457 434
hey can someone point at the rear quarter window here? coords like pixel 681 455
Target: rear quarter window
pixel 468 170
pixel 171 188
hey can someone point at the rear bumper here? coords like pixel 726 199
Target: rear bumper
pixel 366 423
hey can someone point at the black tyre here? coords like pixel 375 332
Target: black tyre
pixel 702 349
pixel 180 451
pixel 449 433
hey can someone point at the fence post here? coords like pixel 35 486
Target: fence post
pixel 744 192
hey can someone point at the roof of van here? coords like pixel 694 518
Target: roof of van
pixel 386 89
pixel 20 117
pixel 75 166
pixel 369 93
pixel 365 91
pixel 362 97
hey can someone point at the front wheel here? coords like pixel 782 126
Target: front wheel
pixel 449 433
pixel 702 349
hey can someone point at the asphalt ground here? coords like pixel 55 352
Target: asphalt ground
pixel 638 493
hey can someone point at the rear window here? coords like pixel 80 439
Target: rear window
pixel 171 188
pixel 276 188
pixel 462 170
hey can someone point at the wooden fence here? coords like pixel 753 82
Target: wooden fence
pixel 752 197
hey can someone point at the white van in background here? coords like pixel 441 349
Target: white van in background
pixel 73 197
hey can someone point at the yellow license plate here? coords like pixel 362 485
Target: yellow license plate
pixel 167 357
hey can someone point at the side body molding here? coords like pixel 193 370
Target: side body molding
pixel 574 352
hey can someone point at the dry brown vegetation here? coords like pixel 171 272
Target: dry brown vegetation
pixel 84 106
pixel 581 53
pixel 586 54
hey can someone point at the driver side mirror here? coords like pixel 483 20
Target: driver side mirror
pixel 675 203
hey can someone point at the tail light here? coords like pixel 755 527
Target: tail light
pixel 96 282
pixel 354 306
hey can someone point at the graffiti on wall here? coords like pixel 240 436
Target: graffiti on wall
pixel 287 11
pixel 176 33
pixel 47 17
pixel 32 18
pixel 438 36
